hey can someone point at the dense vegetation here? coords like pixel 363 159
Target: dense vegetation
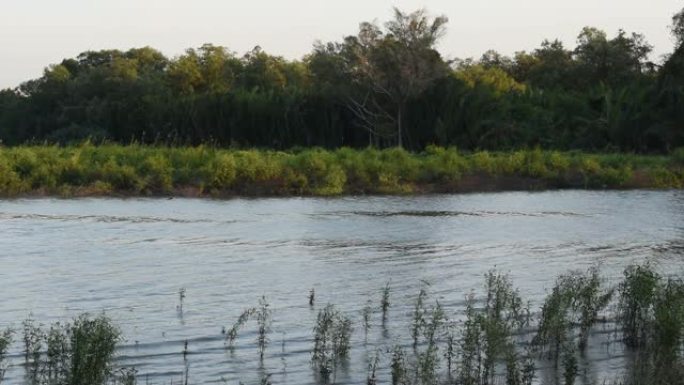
pixel 385 86
pixel 496 339
pixel 87 169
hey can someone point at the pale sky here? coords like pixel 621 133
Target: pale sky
pixel 35 33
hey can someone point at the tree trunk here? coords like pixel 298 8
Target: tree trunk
pixel 399 133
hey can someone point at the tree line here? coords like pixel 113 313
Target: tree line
pixel 385 86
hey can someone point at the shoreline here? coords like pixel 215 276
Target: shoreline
pixel 471 185
pixel 204 172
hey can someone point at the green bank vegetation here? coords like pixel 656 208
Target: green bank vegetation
pixel 495 339
pixel 206 171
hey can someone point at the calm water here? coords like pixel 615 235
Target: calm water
pixel 128 258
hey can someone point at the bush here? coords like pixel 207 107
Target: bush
pixel 222 171
pixel 157 173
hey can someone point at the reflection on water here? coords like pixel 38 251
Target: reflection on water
pixel 129 258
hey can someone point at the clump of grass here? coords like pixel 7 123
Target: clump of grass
pixel 58 345
pixel 450 353
pixel 33 343
pixel 92 345
pixel 570 368
pixel 332 334
pixel 263 315
pixel 488 333
pixel 80 353
pixel 5 342
pixel 651 314
pixel 576 299
pixel 398 367
pixel 232 333
pixel 428 358
pixel 638 293
pixel 418 322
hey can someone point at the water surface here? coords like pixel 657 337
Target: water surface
pixel 130 257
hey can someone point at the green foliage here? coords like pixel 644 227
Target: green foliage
pixel 80 353
pixel 222 171
pixel 488 333
pixel 332 334
pixel 386 85
pixel 651 310
pixel 263 316
pixel 126 170
pixel 576 299
pixel 5 342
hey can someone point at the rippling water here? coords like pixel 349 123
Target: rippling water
pixel 128 258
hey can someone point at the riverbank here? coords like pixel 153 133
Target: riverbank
pixel 114 170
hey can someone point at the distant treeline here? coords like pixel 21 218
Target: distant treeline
pixel 385 86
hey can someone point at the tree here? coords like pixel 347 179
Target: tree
pixel 611 61
pixel 677 27
pixel 394 66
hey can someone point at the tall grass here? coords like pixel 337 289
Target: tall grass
pixel 262 314
pixel 77 353
pixel 5 342
pixel 207 171
pixel 332 335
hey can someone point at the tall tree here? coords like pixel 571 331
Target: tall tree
pixel 395 65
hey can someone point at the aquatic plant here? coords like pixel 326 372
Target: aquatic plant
pixel 398 367
pixel 244 317
pixel 33 340
pixel 80 353
pixel 576 299
pixel 489 347
pixel 428 359
pixel 181 297
pixel 372 378
pixel 638 293
pixel 385 301
pixel 332 334
pixel 92 344
pixel 418 322
pixel 487 334
pixel 366 313
pixel 263 315
pixel 5 342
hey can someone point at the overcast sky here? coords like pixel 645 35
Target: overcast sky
pixel 35 33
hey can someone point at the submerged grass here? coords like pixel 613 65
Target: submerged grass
pixel 77 353
pixel 496 340
pixel 206 171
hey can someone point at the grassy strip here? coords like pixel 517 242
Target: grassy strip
pixel 206 171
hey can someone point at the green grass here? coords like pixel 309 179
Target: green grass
pixel 78 353
pixel 206 171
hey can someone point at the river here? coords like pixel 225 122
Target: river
pixel 130 257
